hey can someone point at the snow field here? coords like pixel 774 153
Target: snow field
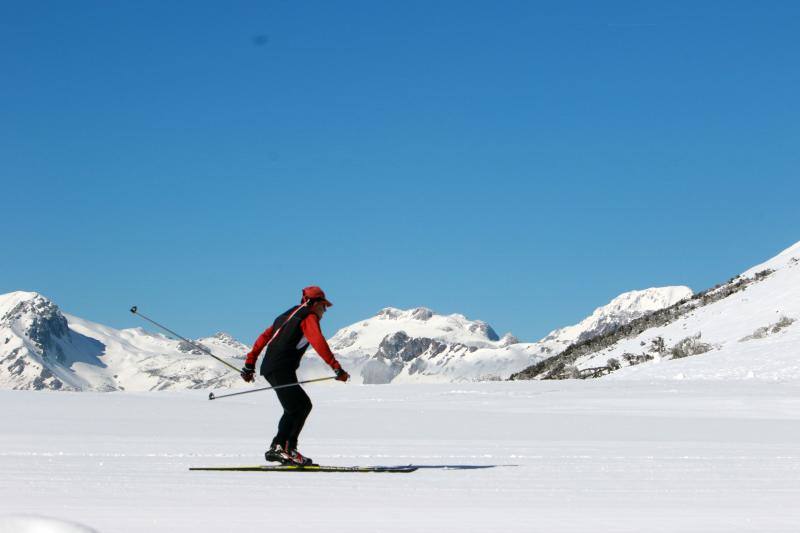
pixel 591 456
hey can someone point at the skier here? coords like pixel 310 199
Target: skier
pixel 287 339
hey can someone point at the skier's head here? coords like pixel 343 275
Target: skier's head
pixel 314 297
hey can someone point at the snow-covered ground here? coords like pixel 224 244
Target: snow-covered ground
pixel 622 456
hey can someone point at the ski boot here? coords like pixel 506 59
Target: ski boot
pixel 275 454
pixel 295 458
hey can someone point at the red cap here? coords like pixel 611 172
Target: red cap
pixel 315 293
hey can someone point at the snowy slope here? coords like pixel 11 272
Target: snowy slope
pixel 140 360
pixel 753 333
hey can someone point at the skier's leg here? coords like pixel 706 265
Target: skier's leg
pixel 296 407
pixel 302 404
pixel 286 423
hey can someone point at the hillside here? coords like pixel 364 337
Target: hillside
pixel 745 328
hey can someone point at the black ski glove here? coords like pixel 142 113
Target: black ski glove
pixel 341 375
pixel 248 373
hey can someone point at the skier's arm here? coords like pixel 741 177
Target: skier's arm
pixel 261 341
pixel 310 326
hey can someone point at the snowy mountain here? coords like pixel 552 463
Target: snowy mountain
pixel 419 345
pixel 395 341
pixel 364 337
pixel 621 310
pixel 746 328
pixel 43 348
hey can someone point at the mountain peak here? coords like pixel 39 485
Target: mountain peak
pixel 508 339
pixel 224 337
pixel 620 310
pixel 418 322
pixel 422 313
pixel 12 299
pixel 646 300
pixel 34 315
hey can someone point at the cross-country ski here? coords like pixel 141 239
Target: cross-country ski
pixel 310 469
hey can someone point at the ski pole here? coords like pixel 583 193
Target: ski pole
pixel 211 395
pixel 135 311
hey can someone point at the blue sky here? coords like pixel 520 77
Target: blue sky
pixel 517 162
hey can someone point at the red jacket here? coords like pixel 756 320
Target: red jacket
pixel 311 331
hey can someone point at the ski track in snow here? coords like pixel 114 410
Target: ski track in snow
pixel 590 456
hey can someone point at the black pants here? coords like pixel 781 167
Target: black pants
pixel 296 407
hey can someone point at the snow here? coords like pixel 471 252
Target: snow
pixel 39 524
pixel 10 300
pixel 600 455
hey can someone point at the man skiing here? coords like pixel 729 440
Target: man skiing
pixel 287 339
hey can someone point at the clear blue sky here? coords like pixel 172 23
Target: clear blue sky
pixel 517 162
